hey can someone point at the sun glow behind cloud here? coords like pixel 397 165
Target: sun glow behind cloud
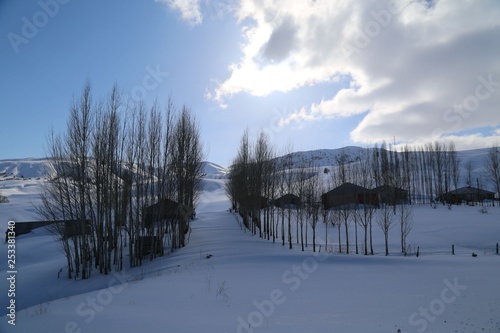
pixel 409 63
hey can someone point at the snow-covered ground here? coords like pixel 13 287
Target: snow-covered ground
pixel 227 280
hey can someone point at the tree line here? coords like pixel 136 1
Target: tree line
pixel 258 181
pixel 116 159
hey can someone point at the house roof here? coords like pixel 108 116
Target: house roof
pixel 388 188
pixel 469 190
pixel 28 226
pixel 348 188
pixel 287 199
pixel 166 204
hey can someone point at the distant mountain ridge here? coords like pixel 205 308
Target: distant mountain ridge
pixel 323 157
pixel 38 168
pixel 327 158
pixel 23 168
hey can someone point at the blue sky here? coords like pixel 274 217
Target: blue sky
pixel 312 74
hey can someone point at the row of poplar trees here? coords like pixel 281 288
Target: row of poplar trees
pixel 115 158
pixel 258 178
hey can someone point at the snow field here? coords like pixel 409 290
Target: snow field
pixel 227 280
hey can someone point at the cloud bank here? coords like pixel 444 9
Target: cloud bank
pixel 416 70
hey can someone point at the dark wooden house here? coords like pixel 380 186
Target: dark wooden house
pixel 466 194
pixel 163 210
pixel 288 201
pixel 74 228
pixel 255 202
pixel 349 195
pixel 392 195
pixel 68 228
pixel 23 228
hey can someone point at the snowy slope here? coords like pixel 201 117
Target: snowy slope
pixel 227 280
pixel 329 157
pixel 37 168
pixel 322 157
pixel 23 168
pixel 212 170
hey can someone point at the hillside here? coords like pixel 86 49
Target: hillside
pixel 37 168
pixel 328 158
pixel 23 168
pixel 228 280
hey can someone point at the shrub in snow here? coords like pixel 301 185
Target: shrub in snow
pixel 3 198
pixel 483 210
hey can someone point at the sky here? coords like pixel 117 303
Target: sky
pixel 311 74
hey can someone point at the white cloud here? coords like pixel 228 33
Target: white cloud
pixel 189 9
pixel 417 69
pixel 462 142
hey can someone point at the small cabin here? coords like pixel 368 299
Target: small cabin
pixel 163 210
pixel 391 195
pixel 466 194
pixel 349 195
pixel 68 228
pixel 288 201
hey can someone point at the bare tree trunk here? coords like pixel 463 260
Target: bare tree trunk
pixel 385 221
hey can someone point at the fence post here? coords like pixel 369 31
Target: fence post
pixel 452 249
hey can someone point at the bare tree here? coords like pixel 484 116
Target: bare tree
pixel 366 212
pixel 455 169
pixel 238 185
pixel 404 215
pixel 469 173
pixel 312 196
pixel 493 167
pixel 281 190
pixel 68 191
pixel 385 221
pixel 113 162
pixel 302 175
pixel 289 183
pixel 438 169
pixel 263 172
pixel 187 156
pixel 343 213
pixel 56 199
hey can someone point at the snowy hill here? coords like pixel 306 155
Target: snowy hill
pixel 329 157
pixel 228 280
pixel 322 157
pixel 23 168
pixel 475 159
pixel 212 170
pixel 36 168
